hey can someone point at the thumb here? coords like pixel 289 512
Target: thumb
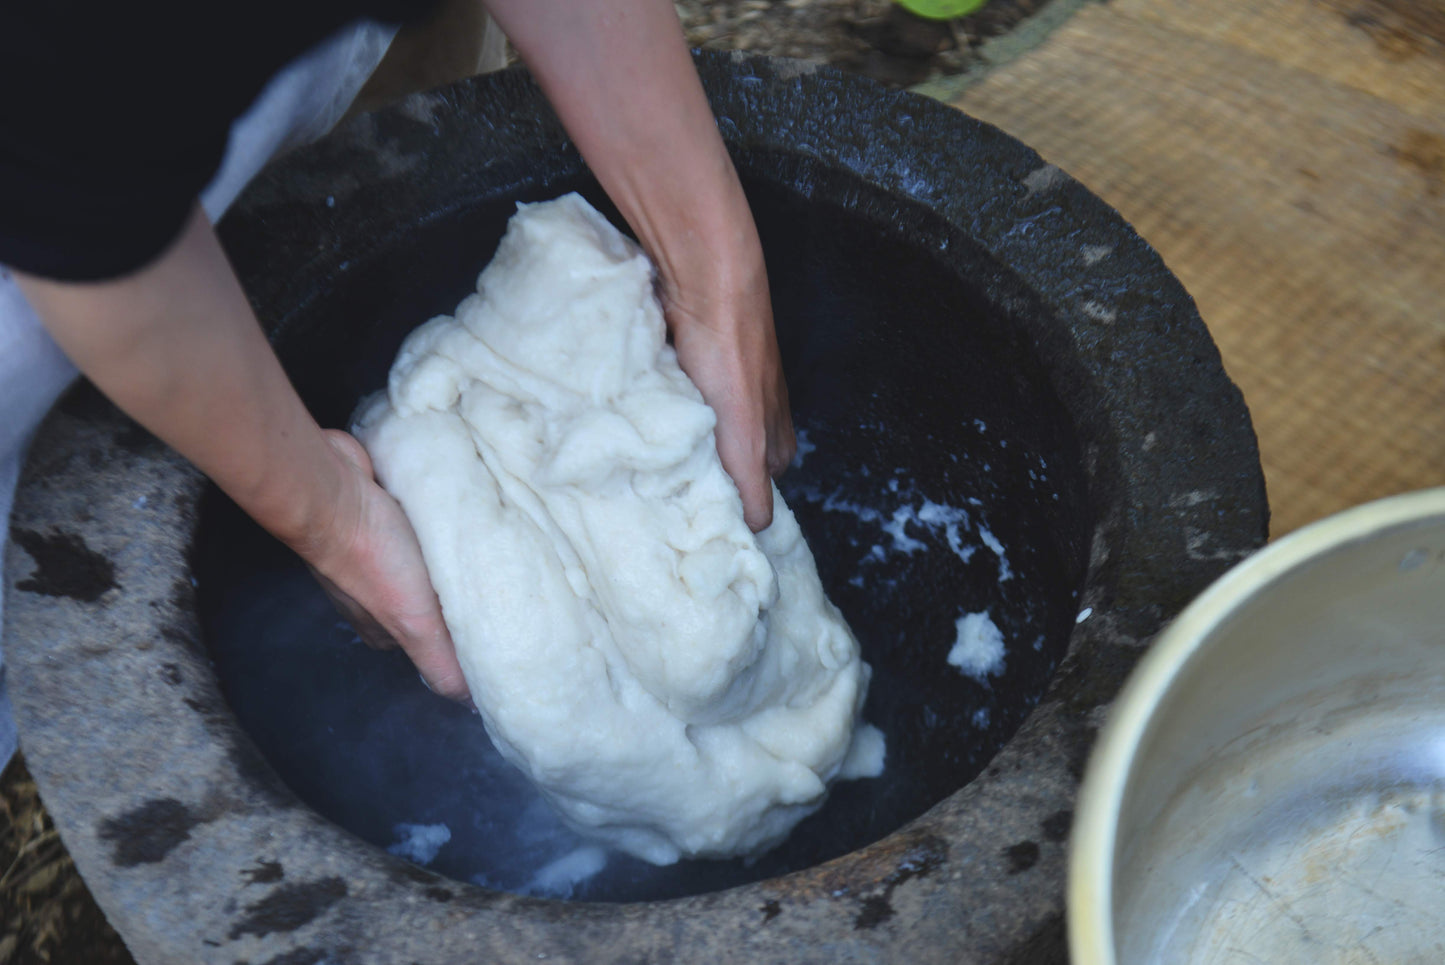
pixel 436 660
pixel 744 457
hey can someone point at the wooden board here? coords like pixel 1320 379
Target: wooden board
pixel 1287 158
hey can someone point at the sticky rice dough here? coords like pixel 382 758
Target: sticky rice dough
pixel 673 684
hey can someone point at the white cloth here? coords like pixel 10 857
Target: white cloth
pixel 674 685
pixel 300 104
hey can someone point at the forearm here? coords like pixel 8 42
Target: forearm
pixel 622 81
pixel 178 348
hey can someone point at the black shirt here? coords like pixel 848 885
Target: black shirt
pixel 114 116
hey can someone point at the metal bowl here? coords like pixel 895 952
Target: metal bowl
pixel 1270 786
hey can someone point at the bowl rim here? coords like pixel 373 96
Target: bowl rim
pixel 1089 901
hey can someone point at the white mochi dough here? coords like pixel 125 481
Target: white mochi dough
pixel 673 684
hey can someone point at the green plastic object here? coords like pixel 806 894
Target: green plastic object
pixel 941 9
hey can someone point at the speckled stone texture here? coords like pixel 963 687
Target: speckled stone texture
pixel 196 851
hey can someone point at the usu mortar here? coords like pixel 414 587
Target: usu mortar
pixel 948 304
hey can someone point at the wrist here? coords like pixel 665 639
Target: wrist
pixel 312 505
pixel 713 268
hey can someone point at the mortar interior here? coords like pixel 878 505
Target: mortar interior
pixel 913 386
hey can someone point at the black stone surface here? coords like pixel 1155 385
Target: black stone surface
pixel 1108 367
pixel 929 429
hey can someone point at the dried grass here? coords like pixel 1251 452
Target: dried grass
pixel 46 914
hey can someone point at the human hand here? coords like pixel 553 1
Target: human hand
pixel 177 346
pixel 371 566
pixel 622 81
pixel 726 344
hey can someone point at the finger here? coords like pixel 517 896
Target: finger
pixel 351 449
pixel 424 636
pixel 782 442
pixel 435 658
pixel 372 634
pixel 745 462
pixel 757 494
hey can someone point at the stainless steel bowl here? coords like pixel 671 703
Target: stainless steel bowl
pixel 1270 785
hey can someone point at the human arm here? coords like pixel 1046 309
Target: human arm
pixel 621 79
pixel 177 347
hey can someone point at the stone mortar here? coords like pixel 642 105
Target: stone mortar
pixel 198 853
